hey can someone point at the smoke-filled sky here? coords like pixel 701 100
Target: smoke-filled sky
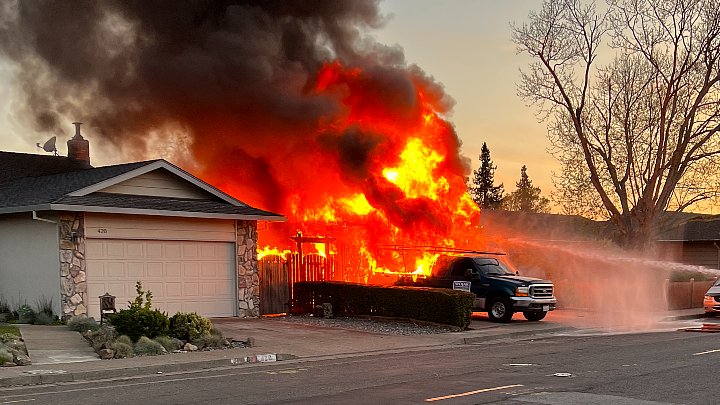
pixel 125 60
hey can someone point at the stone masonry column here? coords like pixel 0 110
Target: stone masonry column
pixel 248 279
pixel 73 287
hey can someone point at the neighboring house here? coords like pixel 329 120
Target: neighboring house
pixel 70 232
pixel 695 242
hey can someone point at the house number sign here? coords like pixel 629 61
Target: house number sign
pixel 102 230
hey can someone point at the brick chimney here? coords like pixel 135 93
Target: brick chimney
pixel 79 147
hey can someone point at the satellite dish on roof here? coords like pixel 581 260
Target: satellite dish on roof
pixel 49 146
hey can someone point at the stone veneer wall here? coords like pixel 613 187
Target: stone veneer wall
pixel 73 288
pixel 248 279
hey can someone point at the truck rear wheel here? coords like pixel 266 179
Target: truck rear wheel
pixel 534 315
pixel 500 309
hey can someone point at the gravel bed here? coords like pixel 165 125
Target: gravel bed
pixel 390 326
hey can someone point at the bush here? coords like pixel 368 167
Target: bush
pixel 124 339
pixel 25 314
pixel 5 356
pixel 82 324
pixel 101 338
pixel 169 343
pixel 139 320
pixel 44 305
pixel 122 350
pixel 189 326
pixel 42 318
pixel 210 341
pixel 439 305
pixel 148 347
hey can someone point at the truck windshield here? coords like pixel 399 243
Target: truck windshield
pixel 492 267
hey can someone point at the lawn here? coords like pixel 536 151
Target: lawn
pixel 7 328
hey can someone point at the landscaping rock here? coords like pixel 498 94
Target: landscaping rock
pixel 190 347
pixel 106 354
pixel 22 360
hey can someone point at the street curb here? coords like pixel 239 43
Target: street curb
pixel 685 317
pixel 80 376
pixel 490 338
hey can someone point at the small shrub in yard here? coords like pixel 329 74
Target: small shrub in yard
pixel 140 320
pixel 101 338
pixel 82 324
pixel 5 356
pixel 169 343
pixel 42 318
pixel 25 314
pixel 148 347
pixel 122 350
pixel 189 326
pixel 210 342
pixel 124 339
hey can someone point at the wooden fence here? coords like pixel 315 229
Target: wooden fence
pixel 278 274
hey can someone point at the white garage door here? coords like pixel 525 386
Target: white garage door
pixel 184 276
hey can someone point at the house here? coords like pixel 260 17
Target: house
pixel 71 232
pixel 695 242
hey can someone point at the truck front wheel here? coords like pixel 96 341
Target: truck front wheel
pixel 534 315
pixel 500 309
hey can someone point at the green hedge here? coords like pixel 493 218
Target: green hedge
pixel 437 305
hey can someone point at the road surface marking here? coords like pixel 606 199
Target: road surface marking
pixel 465 394
pixel 19 400
pixel 707 352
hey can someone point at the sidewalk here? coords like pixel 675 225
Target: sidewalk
pixel 275 340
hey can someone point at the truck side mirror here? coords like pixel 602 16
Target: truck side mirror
pixel 517 272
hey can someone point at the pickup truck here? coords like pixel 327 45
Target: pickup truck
pixel 499 291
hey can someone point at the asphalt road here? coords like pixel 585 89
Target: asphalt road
pixel 669 367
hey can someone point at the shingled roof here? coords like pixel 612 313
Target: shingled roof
pixel 52 183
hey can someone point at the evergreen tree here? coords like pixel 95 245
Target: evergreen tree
pixel 526 197
pixel 483 190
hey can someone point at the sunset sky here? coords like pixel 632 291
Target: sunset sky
pixel 463 44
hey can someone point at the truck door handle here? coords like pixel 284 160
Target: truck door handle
pixel 485 285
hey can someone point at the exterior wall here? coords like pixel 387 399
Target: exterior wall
pixel 73 286
pixel 119 226
pixel 29 260
pixel 159 183
pixel 248 279
pixel 696 253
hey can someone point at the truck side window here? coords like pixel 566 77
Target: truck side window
pixel 459 267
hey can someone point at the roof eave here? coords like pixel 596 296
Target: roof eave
pixel 164 213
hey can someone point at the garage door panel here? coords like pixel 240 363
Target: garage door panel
pixel 191 270
pixel 183 276
pixel 115 270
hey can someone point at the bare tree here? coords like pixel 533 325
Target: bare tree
pixel 645 125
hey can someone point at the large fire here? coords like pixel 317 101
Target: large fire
pixel 377 177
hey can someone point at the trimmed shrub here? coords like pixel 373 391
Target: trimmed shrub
pixel 169 343
pixel 122 350
pixel 5 356
pixel 148 347
pixel 124 339
pixel 189 326
pixel 140 320
pixel 439 305
pixel 82 324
